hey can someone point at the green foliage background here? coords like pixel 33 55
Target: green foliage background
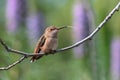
pixel 63 66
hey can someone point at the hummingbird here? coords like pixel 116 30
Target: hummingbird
pixel 47 43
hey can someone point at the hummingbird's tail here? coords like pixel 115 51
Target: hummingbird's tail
pixel 34 58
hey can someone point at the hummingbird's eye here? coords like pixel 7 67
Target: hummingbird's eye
pixel 52 29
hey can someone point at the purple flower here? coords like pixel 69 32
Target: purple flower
pixel 11 13
pixel 115 59
pixel 15 12
pixel 80 26
pixel 35 26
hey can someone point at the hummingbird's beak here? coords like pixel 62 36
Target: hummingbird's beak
pixel 62 27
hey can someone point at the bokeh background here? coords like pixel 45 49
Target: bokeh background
pixel 22 22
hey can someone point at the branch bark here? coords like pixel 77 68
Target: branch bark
pixel 27 55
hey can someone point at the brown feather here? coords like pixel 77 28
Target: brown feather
pixel 37 50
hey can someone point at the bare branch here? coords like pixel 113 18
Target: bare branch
pixel 108 17
pixel 16 51
pixel 26 55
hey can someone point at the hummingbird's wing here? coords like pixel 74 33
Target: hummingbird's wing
pixel 40 43
pixel 37 50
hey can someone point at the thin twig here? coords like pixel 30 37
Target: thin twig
pixel 13 64
pixel 26 55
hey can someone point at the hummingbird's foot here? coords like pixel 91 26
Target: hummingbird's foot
pixel 52 51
